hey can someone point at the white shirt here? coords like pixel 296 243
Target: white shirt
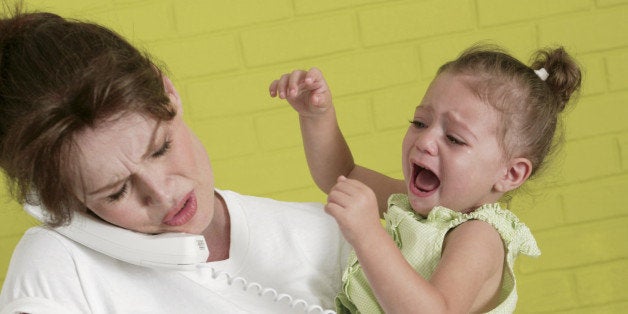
pixel 290 253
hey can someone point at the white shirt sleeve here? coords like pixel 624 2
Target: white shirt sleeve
pixel 34 305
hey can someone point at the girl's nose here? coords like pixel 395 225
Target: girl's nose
pixel 426 142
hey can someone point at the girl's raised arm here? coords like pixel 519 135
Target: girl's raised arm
pixel 328 155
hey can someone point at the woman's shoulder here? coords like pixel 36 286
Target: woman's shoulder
pixel 41 243
pixel 43 268
pixel 42 239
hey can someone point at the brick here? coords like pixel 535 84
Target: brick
pixel 232 95
pixel 354 115
pixel 492 12
pixel 394 107
pixel 197 56
pixel 579 245
pixel 307 6
pixel 226 137
pixel 623 149
pixel 519 40
pixel 594 77
pixel 601 159
pixel 75 8
pixel 380 152
pixel 601 115
pixel 7 245
pixel 615 307
pixel 193 17
pixel 606 3
pixel 596 200
pixel 603 283
pixel 547 292
pixel 412 20
pixel 143 22
pixel 538 210
pixel 138 22
pixel 299 39
pixel 17 220
pixel 596 31
pixel 278 129
pixel 617 66
pixel 370 71
pixel 264 173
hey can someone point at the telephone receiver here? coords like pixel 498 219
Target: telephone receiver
pixel 179 251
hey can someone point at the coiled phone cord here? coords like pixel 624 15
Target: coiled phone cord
pixel 295 304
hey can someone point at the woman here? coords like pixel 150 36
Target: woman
pixel 90 124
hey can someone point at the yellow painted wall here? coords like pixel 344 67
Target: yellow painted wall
pixel 379 57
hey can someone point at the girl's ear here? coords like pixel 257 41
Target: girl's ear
pixel 518 171
pixel 172 93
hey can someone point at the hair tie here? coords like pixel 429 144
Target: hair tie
pixel 542 74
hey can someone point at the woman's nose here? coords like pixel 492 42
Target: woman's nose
pixel 153 189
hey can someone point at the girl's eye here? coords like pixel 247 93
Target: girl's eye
pixel 162 150
pixel 118 195
pixel 454 140
pixel 418 124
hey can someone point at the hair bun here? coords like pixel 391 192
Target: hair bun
pixel 564 73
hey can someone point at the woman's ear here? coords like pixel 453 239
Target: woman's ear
pixel 518 171
pixel 172 93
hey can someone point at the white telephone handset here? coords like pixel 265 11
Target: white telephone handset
pixel 166 250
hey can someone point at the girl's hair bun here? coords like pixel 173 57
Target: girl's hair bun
pixel 564 73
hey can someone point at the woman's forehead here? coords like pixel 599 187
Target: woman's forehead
pixel 110 148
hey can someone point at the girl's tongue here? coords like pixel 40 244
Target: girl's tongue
pixel 426 180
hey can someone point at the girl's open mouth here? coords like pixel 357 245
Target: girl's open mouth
pixel 424 180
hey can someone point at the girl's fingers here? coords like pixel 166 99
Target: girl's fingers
pixel 273 88
pixel 282 85
pixel 333 209
pixel 293 85
pixel 314 79
pixel 296 77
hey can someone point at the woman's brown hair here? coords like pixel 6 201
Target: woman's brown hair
pixel 529 104
pixel 57 77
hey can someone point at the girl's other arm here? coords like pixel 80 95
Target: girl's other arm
pixel 467 278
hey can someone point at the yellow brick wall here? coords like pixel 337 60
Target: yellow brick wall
pixel 379 57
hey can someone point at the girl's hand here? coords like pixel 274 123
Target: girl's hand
pixel 354 206
pixel 306 91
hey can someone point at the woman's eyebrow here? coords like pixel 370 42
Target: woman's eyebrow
pixel 107 187
pixel 160 129
pixel 147 153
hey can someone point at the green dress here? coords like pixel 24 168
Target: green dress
pixel 421 241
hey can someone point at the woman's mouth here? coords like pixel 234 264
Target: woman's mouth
pixel 184 211
pixel 424 181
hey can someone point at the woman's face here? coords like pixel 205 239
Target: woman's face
pixel 144 175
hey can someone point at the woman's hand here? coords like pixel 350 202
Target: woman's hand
pixel 306 91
